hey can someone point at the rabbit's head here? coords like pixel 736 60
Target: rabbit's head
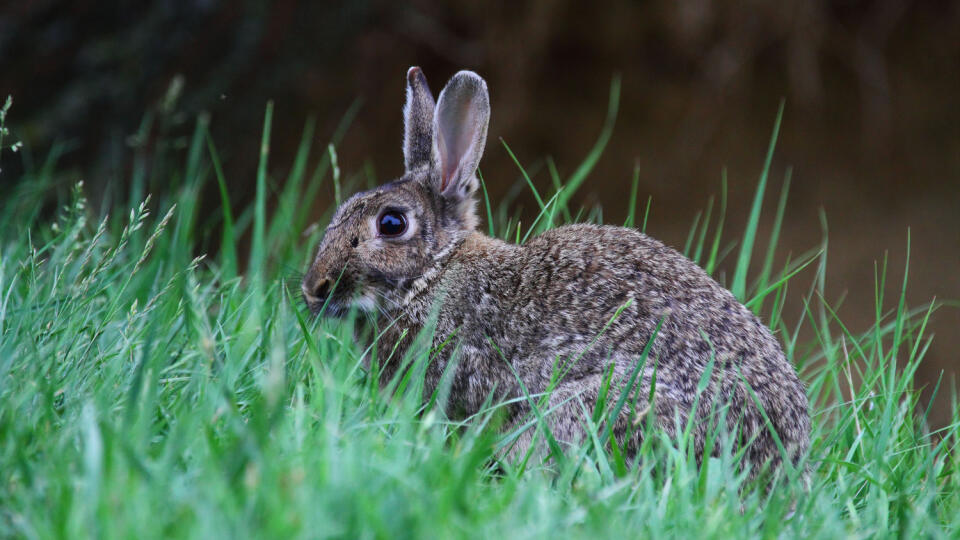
pixel 380 242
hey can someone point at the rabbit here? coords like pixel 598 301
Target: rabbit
pixel 567 310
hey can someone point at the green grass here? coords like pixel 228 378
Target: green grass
pixel 148 393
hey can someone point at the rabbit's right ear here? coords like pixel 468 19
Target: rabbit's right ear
pixel 417 122
pixel 459 134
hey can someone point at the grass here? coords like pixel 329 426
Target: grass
pixel 149 393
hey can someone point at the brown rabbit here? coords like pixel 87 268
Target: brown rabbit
pixel 583 301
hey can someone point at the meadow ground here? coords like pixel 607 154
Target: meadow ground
pixel 146 391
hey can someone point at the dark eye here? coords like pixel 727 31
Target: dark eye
pixel 392 223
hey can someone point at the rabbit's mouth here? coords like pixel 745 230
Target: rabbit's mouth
pixel 340 305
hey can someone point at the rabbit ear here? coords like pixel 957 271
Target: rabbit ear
pixel 417 121
pixel 460 133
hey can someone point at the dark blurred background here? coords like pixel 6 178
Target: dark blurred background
pixel 871 128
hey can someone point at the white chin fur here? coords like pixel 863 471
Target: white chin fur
pixel 365 303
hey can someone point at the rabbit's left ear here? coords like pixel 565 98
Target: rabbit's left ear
pixel 417 122
pixel 460 133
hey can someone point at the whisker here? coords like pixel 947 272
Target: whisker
pixel 394 305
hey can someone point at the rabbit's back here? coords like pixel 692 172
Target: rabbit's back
pixel 594 295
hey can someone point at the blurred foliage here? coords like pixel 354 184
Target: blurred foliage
pixel 84 72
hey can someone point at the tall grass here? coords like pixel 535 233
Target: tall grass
pixel 145 392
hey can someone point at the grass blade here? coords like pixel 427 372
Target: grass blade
pixel 258 255
pixel 739 286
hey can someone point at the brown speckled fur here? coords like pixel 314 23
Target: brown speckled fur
pixel 550 302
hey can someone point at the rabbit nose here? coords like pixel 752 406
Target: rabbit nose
pixel 319 291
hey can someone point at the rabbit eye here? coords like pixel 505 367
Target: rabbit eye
pixel 392 223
